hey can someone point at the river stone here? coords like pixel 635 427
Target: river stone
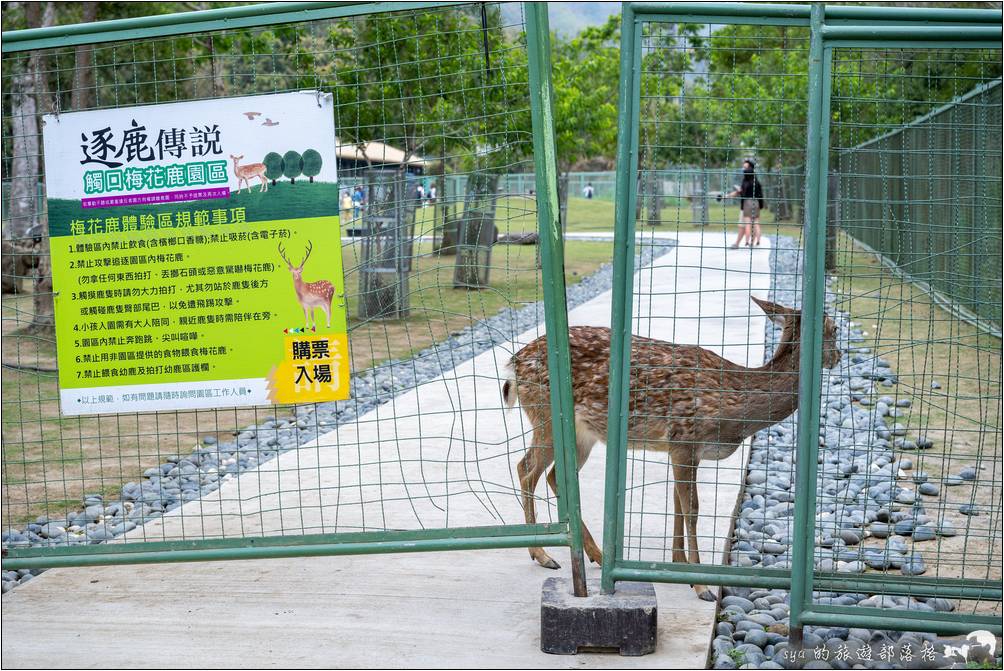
pixel 946 528
pixel 914 565
pixel 745 604
pixel 849 536
pixel 929 489
pixel 968 473
pixel 756 637
pixel 879 530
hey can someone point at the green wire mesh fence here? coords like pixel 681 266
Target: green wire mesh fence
pixel 916 428
pixel 933 185
pixel 713 96
pixel 421 97
pixel 898 448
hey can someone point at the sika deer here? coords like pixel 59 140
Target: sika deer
pixel 684 400
pixel 310 294
pixel 245 172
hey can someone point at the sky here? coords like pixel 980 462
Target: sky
pixel 568 18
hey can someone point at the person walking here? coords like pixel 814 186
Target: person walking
pixel 750 194
pixel 357 202
pixel 346 206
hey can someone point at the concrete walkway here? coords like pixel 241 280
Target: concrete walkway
pixel 455 467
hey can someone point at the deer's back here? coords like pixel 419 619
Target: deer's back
pixel 679 382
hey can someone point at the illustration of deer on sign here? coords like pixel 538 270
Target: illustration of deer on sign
pixel 245 172
pixel 310 294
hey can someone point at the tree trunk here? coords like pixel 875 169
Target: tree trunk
pixel 563 200
pixel 43 319
pixel 83 67
pixel 23 209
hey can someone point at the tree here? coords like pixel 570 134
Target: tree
pixel 585 75
pixel 292 165
pixel 274 167
pixel 311 164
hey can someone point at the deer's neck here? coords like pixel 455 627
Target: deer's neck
pixel 769 394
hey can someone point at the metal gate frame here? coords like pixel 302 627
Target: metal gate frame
pixel 565 532
pixel 830 27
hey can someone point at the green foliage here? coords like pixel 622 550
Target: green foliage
pixel 311 163
pixel 585 75
pixel 424 79
pixel 273 166
pixel 292 165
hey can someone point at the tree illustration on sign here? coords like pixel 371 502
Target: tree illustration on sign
pixel 311 164
pixel 292 165
pixel 273 166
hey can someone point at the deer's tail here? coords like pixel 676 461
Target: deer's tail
pixel 509 394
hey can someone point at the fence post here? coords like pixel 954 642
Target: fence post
pixel 559 365
pixel 810 361
pixel 625 199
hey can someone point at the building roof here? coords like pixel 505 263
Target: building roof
pixel 377 152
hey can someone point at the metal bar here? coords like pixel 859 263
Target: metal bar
pixel 945 43
pixel 270 541
pixel 732 10
pixel 810 362
pixel 620 318
pixel 538 38
pixel 715 18
pixel 184 23
pixel 913 33
pixel 698 574
pixel 904 620
pixel 721 10
pixel 913 14
pixel 716 574
pixel 284 551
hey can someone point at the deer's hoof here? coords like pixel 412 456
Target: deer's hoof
pixel 547 562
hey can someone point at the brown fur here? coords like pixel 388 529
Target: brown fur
pixel 682 399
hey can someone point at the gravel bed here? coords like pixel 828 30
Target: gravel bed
pixel 183 478
pixel 861 456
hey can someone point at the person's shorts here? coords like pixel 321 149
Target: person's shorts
pixel 751 209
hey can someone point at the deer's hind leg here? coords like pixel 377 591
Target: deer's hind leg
pixel 530 468
pixel 588 543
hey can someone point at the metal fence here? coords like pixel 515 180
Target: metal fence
pixel 390 469
pixel 934 184
pixel 879 493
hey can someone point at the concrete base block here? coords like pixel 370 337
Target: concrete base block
pixel 625 621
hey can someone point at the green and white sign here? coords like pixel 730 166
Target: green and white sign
pixel 196 254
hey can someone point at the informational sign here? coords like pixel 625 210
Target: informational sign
pixel 196 254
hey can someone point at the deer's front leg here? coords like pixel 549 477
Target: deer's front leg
pixel 686 486
pixel 306 319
